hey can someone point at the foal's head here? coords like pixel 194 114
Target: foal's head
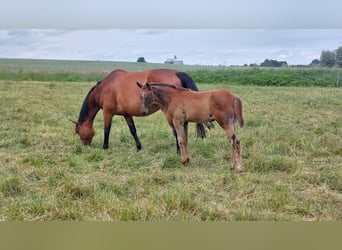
pixel 159 94
pixel 85 131
pixel 146 97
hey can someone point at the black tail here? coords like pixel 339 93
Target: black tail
pixel 188 82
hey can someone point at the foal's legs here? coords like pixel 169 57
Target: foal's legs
pixel 170 121
pixel 186 138
pixel 132 129
pixel 236 159
pixel 182 132
pixel 177 144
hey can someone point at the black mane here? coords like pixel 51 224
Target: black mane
pixel 163 85
pixel 167 85
pixel 84 109
pixel 156 88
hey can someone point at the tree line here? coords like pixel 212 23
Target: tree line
pixel 331 58
pixel 327 59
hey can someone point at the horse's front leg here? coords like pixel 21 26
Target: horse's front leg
pixel 170 121
pixel 177 144
pixel 108 117
pixel 133 130
pixel 182 140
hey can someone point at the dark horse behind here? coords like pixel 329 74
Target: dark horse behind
pixel 118 94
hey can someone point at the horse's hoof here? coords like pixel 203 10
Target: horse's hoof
pixel 185 161
pixel 239 169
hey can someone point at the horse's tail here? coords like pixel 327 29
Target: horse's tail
pixel 188 83
pixel 238 111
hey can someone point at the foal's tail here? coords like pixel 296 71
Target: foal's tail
pixel 238 111
pixel 188 83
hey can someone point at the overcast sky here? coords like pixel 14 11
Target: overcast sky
pixel 208 33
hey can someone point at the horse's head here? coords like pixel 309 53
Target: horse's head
pixel 85 131
pixel 146 97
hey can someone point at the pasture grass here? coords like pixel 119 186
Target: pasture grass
pixel 291 147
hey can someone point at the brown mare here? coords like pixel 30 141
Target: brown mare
pixel 181 106
pixel 118 94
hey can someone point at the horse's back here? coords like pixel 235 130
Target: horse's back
pixel 164 75
pixel 120 93
pixel 205 106
pixel 222 97
pixel 120 77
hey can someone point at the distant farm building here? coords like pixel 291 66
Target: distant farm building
pixel 174 60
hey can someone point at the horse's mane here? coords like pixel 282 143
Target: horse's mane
pixel 157 88
pixel 167 85
pixel 84 109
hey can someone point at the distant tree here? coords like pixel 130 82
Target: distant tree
pixel 273 63
pixel 141 59
pixel 315 62
pixel 267 63
pixel 339 56
pixel 328 58
pixel 282 64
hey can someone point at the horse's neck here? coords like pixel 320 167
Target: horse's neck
pixel 92 114
pixel 91 110
pixel 164 97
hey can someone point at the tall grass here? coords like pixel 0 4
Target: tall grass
pixel 291 148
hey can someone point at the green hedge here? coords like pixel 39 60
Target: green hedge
pixel 241 76
pixel 268 77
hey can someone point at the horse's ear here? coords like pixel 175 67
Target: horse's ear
pixel 74 121
pixel 139 85
pixel 149 87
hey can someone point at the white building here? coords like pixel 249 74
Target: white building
pixel 174 60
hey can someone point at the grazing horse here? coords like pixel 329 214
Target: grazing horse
pixel 181 106
pixel 117 94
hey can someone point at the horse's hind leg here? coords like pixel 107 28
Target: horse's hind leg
pixel 236 159
pixel 186 138
pixel 133 130
pixel 236 151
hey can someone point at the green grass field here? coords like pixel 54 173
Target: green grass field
pixel 292 151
